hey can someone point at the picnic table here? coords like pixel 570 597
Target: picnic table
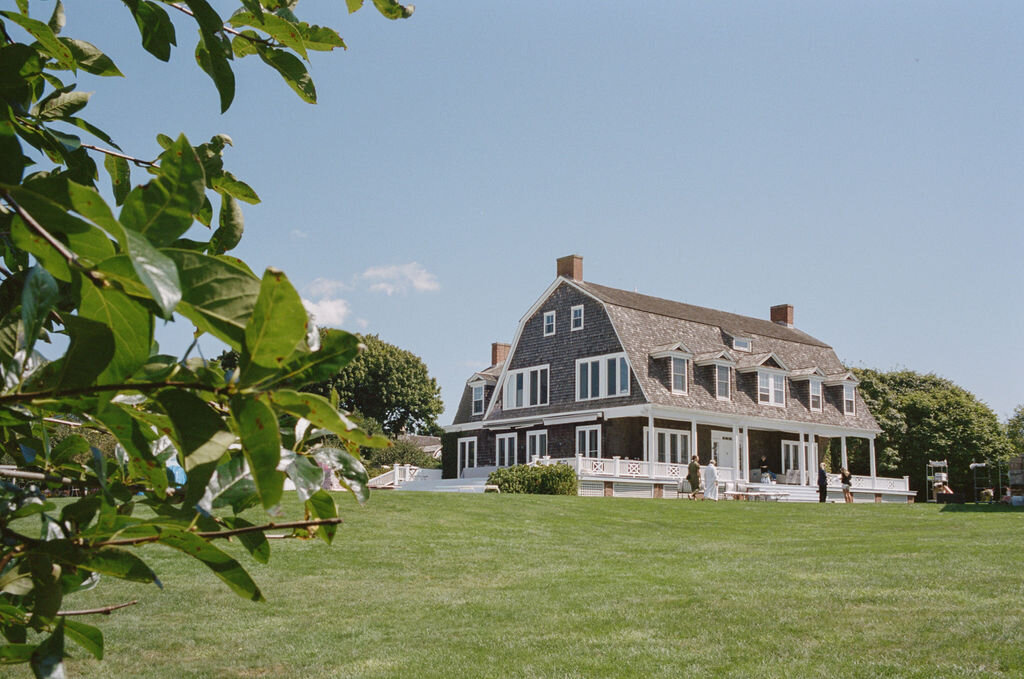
pixel 756 495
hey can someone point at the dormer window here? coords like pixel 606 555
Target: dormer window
pixel 577 318
pixel 741 344
pixel 849 400
pixel 549 323
pixel 723 382
pixel 678 376
pixel 771 388
pixel 478 399
pixel 815 389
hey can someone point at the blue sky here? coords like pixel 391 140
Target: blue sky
pixel 861 161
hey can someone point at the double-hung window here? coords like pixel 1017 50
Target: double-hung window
pixel 722 382
pixel 678 375
pixel 576 318
pixel 672 445
pixel 478 399
pixel 467 453
pixel 505 453
pixel 536 444
pixel 549 323
pixel 602 376
pixel 526 388
pixel 815 387
pixel 771 388
pixel 588 440
pixel 849 402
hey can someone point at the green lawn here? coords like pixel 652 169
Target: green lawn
pixel 452 585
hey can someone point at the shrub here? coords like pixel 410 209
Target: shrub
pixel 556 479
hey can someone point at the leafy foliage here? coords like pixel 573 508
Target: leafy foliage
pixel 1015 430
pixel 555 479
pixel 400 452
pixel 74 265
pixel 925 417
pixel 388 384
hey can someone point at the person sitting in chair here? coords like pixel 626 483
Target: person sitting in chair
pixel 766 473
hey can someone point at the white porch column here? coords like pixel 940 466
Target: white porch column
pixel 736 451
pixel 651 455
pixel 693 438
pixel 803 461
pixel 871 453
pixel 846 464
pixel 746 448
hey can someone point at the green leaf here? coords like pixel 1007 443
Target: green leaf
pixel 291 69
pixel 141 463
pixel 394 10
pixel 212 56
pixel 208 19
pixel 57 19
pixel 354 5
pixel 117 563
pixel 321 506
pixel 90 58
pixel 261 443
pixel 217 296
pixel 48 42
pixel 256 543
pixel 63 105
pixel 253 6
pixel 307 477
pixel 278 323
pixel 226 183
pixel 37 299
pixel 120 177
pixel 28 240
pixel 131 324
pixel 223 566
pixel 155 27
pixel 156 270
pixel 318 410
pixel 231 226
pixel 163 209
pixel 48 659
pixel 11 654
pixel 22 68
pixel 12 167
pixel 92 129
pixel 88 637
pixel 353 473
pixel 90 351
pixel 199 431
pixel 320 38
pixel 282 30
pixel 68 447
pixel 337 349
pixel 230 486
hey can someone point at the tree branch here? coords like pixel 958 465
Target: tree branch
pixel 105 610
pixel 41 230
pixel 138 162
pixel 28 396
pixel 227 29
pixel 218 534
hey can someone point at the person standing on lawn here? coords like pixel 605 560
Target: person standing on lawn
pixel 822 482
pixel 846 478
pixel 711 481
pixel 693 476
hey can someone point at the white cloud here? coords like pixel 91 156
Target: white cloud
pixel 299 233
pixel 362 323
pixel 325 287
pixel 400 277
pixel 327 312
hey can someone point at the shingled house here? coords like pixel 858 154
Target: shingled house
pixel 627 387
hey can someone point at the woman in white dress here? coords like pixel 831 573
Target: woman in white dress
pixel 711 481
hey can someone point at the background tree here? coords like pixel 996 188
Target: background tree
pixel 101 271
pixel 1015 430
pixel 389 385
pixel 925 417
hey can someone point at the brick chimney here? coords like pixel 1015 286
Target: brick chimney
pixel 499 352
pixel 783 314
pixel 570 266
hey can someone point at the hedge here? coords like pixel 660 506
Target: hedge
pixel 556 479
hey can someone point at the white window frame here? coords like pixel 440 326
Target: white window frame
pixel 506 453
pixel 463 453
pixel 509 401
pixel 718 382
pixel 672 374
pixel 771 388
pixel 664 439
pixel 850 404
pixel 622 367
pixel 532 444
pixel 588 429
pixel 478 403
pixel 742 344
pixel 547 315
pixel 811 385
pixel 573 318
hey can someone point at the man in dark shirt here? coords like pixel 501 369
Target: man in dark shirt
pixel 822 482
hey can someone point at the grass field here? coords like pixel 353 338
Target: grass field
pixel 450 585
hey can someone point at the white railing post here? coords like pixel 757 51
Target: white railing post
pixel 615 467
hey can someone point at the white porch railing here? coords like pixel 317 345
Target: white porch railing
pixel 402 473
